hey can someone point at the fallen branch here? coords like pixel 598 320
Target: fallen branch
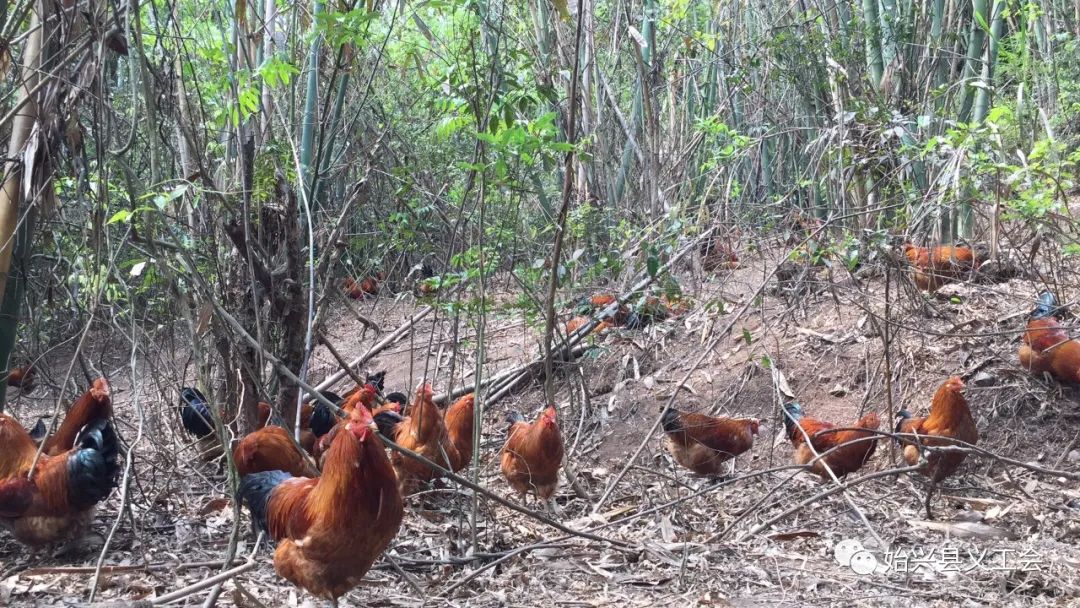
pixel 341 360
pixel 374 350
pixel 180 594
pixel 824 494
pixel 356 311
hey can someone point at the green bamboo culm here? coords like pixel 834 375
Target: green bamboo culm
pixel 311 103
pixel 986 76
pixel 873 41
pixel 976 37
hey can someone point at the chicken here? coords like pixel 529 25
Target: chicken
pixel 39 431
pixel 359 291
pixel 717 254
pixel 459 428
pixel 351 289
pixel 386 421
pixel 330 530
pixel 533 454
pixel 424 432
pixel 323 418
pixel 1046 345
pixel 367 396
pixel 53 500
pixel 197 420
pixel 933 267
pixel 378 380
pixel 596 304
pixel 370 286
pixel 307 436
pixel 94 404
pixel 271 448
pixel 851 449
pixel 22 378
pixel 601 300
pixel 703 443
pixel 950 418
pixel 579 321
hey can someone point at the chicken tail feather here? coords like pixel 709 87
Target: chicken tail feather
pixel 255 491
pixel 513 418
pixel 93 468
pixel 195 414
pixel 387 422
pixel 793 412
pixel 671 421
pixel 39 431
pixel 322 418
pixel 901 416
pixel 1047 306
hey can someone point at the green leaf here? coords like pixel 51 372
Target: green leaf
pixel 746 336
pixel 120 216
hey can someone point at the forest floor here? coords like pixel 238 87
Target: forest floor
pixel 1002 535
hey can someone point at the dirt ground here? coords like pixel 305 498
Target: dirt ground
pixel 1003 535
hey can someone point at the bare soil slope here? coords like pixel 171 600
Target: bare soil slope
pixel 1004 535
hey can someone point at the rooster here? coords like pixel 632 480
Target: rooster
pixel 950 418
pixel 94 404
pixel 330 530
pixel 579 321
pixel 459 429
pixel 368 396
pixel 307 436
pixel 703 443
pixel 532 455
pixel 718 255
pixel 359 291
pixel 386 418
pixel 1047 347
pixel 196 417
pixel 593 305
pixel 323 418
pixel 271 448
pixel 847 451
pixel 22 378
pixel 424 432
pixel 933 267
pixel 351 289
pixel 53 500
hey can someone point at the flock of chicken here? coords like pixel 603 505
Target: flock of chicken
pixel 333 498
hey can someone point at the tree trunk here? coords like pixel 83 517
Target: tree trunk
pixel 11 196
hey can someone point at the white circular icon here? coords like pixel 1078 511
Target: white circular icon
pixel 863 562
pixel 845 550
